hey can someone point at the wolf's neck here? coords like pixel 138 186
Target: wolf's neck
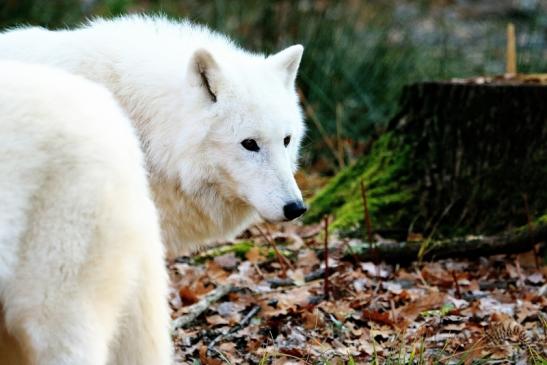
pixel 190 222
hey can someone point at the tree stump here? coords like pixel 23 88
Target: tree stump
pixel 458 158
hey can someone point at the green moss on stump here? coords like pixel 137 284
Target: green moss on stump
pixel 457 159
pixel 383 172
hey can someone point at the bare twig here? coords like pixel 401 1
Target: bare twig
pixel 283 261
pixel 458 291
pixel 258 271
pixel 392 307
pixel 326 255
pixel 195 310
pixel 339 141
pixel 368 225
pixel 349 249
pixel 244 323
pixel 520 280
pixel 319 273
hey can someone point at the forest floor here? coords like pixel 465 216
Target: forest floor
pixel 474 311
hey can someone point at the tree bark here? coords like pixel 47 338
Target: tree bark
pixel 457 159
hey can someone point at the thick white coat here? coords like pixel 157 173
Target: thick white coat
pixel 193 96
pixel 82 275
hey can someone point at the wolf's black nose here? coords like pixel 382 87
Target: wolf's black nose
pixel 294 210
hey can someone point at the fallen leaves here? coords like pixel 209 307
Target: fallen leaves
pixel 411 311
pixel 381 318
pixel 444 312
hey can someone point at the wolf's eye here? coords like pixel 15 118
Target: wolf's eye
pixel 287 140
pixel 250 144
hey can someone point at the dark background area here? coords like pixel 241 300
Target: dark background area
pixel 358 54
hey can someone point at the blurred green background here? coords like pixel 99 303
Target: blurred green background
pixel 358 54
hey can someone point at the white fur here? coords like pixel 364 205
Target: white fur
pixel 206 185
pixel 82 276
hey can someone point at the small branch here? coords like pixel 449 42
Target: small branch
pixel 509 242
pixel 326 255
pixel 368 225
pixel 278 283
pixel 350 251
pixel 520 281
pixel 339 141
pixel 195 310
pixel 244 323
pixel 319 273
pixel 392 307
pixel 283 261
pixel 458 291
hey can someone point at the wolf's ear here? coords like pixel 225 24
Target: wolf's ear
pixel 205 72
pixel 287 62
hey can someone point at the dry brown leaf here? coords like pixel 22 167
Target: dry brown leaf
pixel 409 312
pixel 254 255
pixel 216 273
pixel 313 319
pixel 375 316
pixel 187 296
pixel 437 277
pixel 205 360
pixel 300 320
pixel 216 320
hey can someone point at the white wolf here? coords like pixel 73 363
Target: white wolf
pixel 221 127
pixel 82 274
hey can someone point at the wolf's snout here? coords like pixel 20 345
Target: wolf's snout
pixel 294 209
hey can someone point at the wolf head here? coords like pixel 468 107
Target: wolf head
pixel 248 127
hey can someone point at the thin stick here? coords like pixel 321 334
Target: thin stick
pixel 520 281
pixel 368 225
pixel 392 306
pixel 511 61
pixel 326 256
pixel 195 310
pixel 350 250
pixel 244 322
pixel 339 141
pixel 282 259
pixel 458 291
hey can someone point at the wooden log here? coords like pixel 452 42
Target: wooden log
pixel 510 242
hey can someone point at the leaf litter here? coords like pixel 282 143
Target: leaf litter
pixel 482 310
